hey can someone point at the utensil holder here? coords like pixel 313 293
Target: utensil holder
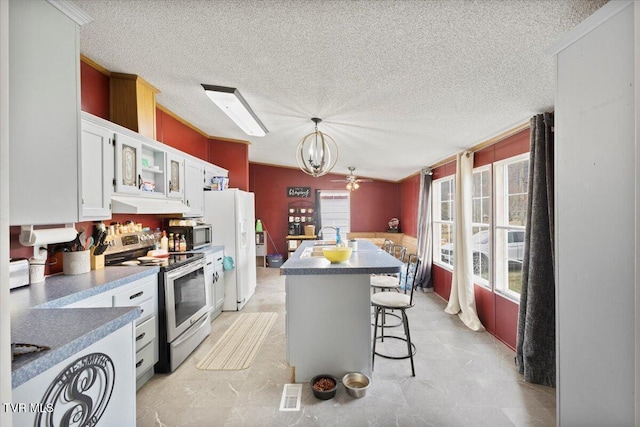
pixel 97 261
pixel 76 262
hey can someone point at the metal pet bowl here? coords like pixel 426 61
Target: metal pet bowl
pixel 327 393
pixel 356 384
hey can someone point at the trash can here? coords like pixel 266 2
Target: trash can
pixel 274 260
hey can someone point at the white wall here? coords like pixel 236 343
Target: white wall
pixel 595 222
pixel 5 327
pixel 637 86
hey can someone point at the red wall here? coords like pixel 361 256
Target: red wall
pixel 409 202
pixel 233 156
pixel 180 136
pixel 94 88
pixel 372 205
pixel 498 314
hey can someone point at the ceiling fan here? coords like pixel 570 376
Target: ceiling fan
pixel 353 182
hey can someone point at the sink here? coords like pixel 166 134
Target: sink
pixel 312 251
pixel 324 243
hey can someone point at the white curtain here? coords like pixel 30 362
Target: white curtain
pixel 462 300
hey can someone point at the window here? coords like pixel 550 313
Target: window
pixel 443 197
pixel 511 179
pixel 480 224
pixel 498 215
pixel 334 212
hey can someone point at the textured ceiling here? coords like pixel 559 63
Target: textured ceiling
pixel 399 84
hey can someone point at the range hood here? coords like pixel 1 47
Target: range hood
pixel 139 205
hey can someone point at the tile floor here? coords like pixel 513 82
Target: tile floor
pixel 463 378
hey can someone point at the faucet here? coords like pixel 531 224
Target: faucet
pixel 336 229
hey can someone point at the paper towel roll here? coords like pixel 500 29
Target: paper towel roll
pixel 45 236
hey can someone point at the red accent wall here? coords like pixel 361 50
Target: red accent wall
pixel 372 205
pixel 175 134
pixel 409 202
pixel 94 89
pixel 509 147
pixel 233 156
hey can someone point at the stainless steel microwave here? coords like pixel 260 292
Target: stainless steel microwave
pixel 197 236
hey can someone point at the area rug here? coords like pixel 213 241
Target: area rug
pixel 238 346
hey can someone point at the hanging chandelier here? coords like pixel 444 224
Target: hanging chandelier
pixel 317 152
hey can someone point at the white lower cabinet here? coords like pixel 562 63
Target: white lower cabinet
pixel 142 293
pixel 95 386
pixel 218 284
pixel 214 275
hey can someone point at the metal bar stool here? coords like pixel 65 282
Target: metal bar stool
pixel 389 282
pixel 387 246
pixel 382 301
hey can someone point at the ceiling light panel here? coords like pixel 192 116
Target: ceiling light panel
pixel 231 102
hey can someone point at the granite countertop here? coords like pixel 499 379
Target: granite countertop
pixel 37 316
pixel 367 259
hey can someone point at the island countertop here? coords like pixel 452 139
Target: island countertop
pixel 367 259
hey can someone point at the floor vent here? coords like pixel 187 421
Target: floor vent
pixel 291 395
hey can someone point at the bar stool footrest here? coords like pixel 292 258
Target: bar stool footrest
pixel 413 348
pixel 373 323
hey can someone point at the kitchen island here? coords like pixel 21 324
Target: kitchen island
pixel 328 323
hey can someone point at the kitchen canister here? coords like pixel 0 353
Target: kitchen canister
pixel 36 270
pixel 78 262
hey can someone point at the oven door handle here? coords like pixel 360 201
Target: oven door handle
pixel 192 330
pixel 182 271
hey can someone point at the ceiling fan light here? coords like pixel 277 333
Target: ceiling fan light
pixel 230 101
pixel 356 185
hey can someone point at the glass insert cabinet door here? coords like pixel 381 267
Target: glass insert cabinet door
pixel 175 176
pixel 128 164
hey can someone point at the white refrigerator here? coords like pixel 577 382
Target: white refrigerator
pixel 231 214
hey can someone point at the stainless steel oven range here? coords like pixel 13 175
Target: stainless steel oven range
pixel 182 295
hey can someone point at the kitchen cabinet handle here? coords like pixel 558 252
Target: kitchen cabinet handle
pixel 217 276
pixel 139 337
pixel 134 296
pixel 139 181
pixel 139 363
pixel 170 186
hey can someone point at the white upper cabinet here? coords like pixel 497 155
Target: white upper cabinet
pixel 96 166
pixel 194 188
pixel 153 171
pixel 175 177
pixel 44 121
pixel 128 164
